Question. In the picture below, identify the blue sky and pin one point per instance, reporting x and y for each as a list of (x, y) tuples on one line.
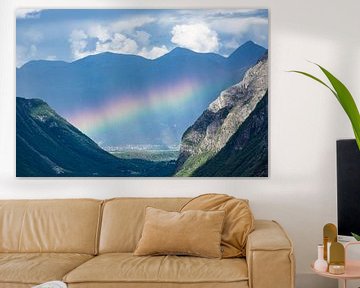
[(71, 34)]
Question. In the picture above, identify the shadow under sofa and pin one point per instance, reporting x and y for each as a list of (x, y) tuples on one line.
[(90, 243)]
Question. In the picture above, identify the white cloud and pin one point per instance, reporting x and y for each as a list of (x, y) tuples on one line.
[(117, 37), (198, 31), (197, 37), (154, 52), (25, 54), (233, 26), (27, 13), (118, 43), (27, 49), (78, 44), (100, 32)]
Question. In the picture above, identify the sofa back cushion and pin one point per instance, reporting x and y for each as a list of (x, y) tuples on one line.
[(66, 226), (123, 220)]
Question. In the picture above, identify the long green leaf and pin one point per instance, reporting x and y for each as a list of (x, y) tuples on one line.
[(357, 237), (357, 137), (316, 79), (347, 102), (344, 97)]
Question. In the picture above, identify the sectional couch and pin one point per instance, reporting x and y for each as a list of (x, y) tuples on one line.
[(89, 243)]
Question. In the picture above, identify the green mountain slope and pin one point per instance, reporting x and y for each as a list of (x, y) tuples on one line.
[(47, 145), (246, 152)]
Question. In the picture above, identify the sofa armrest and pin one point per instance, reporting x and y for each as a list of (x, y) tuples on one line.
[(269, 256)]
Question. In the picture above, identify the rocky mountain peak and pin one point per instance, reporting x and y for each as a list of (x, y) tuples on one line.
[(253, 84), (212, 130)]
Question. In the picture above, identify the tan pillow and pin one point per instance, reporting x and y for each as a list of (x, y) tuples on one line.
[(196, 233), (239, 220)]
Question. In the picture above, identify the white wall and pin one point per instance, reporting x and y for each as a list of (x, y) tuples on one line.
[(305, 120)]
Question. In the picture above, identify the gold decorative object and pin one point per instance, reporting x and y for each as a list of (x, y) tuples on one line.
[(337, 253), (330, 236), (336, 269), (337, 258)]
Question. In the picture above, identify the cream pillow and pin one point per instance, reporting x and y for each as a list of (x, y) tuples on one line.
[(238, 223), (193, 232)]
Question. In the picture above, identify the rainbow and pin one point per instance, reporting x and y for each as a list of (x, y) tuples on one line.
[(123, 108)]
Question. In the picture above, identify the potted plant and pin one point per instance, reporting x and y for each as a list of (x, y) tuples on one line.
[(347, 102)]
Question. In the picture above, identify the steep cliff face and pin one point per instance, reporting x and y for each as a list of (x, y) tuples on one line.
[(246, 152), (212, 130)]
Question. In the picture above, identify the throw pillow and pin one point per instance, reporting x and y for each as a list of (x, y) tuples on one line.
[(196, 233)]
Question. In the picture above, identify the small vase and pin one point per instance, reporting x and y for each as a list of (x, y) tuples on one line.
[(320, 264)]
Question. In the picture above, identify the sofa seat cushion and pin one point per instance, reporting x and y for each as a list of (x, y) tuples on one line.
[(36, 268), (125, 267)]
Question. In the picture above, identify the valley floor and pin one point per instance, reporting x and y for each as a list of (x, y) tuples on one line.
[(149, 155)]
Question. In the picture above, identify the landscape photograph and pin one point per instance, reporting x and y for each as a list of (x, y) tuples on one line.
[(142, 93)]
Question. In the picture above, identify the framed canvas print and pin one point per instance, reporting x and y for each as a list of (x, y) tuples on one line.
[(141, 93)]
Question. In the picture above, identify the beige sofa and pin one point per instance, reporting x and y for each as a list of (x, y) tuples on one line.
[(89, 243)]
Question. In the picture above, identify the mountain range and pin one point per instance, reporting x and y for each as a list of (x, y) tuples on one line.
[(229, 138), (120, 99)]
